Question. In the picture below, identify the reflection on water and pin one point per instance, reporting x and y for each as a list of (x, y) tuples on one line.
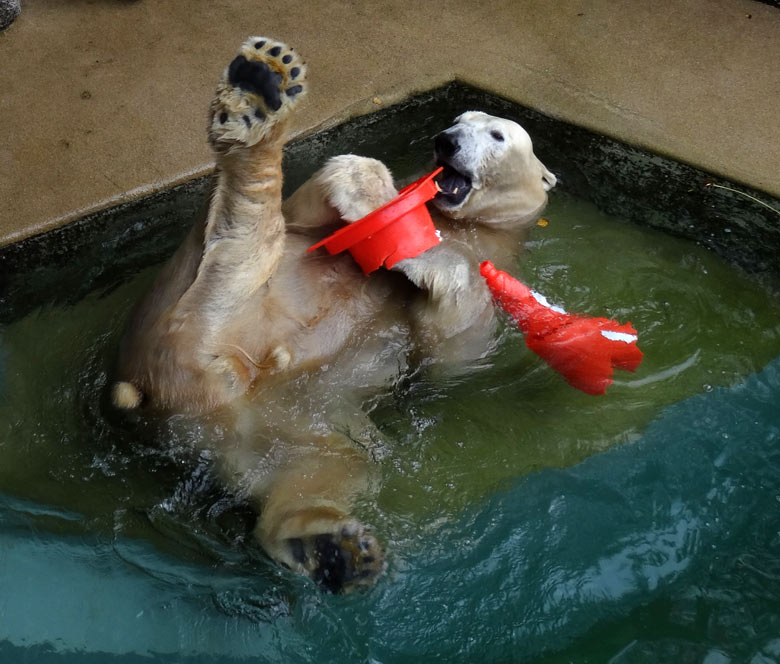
[(523, 517)]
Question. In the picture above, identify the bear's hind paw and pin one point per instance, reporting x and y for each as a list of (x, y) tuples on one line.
[(258, 88), (342, 561)]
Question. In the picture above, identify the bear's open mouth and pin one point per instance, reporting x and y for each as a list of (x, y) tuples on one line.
[(453, 186)]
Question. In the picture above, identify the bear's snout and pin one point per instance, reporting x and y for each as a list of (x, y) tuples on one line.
[(446, 144)]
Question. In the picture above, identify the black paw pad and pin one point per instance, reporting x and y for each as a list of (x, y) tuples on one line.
[(256, 77), (294, 90), (333, 568), (276, 50), (294, 72)]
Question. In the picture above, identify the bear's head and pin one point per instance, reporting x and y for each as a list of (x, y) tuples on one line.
[(491, 174)]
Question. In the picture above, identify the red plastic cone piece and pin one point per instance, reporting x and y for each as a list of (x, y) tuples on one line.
[(402, 228), (586, 351)]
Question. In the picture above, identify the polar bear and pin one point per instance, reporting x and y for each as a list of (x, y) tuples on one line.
[(280, 347)]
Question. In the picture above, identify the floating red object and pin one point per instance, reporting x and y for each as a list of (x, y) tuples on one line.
[(586, 351), (399, 229)]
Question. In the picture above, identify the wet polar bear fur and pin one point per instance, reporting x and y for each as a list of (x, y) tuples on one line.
[(280, 347)]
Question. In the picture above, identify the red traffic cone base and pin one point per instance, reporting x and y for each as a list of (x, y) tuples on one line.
[(402, 228)]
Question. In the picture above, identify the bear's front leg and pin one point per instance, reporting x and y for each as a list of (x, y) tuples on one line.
[(244, 233), (346, 189), (177, 352), (454, 321)]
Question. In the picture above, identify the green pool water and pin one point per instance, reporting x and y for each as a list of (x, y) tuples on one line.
[(525, 521)]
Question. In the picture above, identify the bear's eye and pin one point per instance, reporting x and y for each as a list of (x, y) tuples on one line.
[(497, 136)]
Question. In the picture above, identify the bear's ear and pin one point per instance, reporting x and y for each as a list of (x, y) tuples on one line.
[(469, 115), (548, 178)]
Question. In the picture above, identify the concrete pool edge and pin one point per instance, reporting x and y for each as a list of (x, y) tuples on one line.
[(124, 89)]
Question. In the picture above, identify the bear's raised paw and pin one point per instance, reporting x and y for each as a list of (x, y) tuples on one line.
[(258, 88)]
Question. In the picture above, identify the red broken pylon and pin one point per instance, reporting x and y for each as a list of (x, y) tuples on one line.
[(586, 351)]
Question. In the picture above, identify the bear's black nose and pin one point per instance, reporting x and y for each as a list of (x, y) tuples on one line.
[(445, 145)]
